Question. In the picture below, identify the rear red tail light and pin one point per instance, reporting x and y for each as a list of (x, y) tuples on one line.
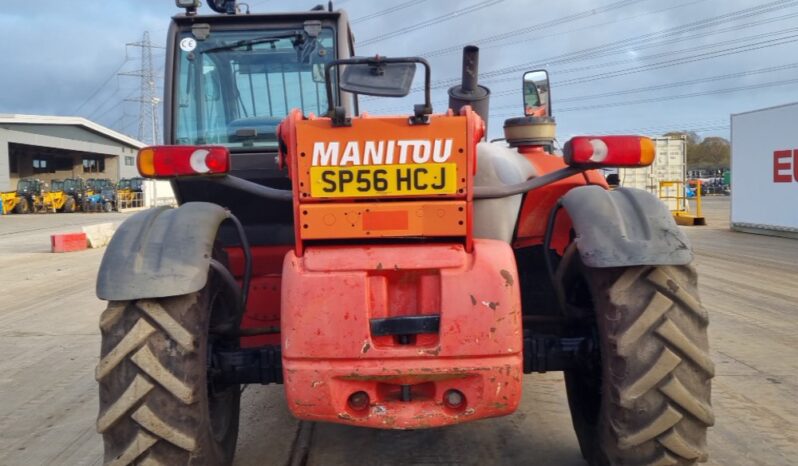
[(172, 161), (609, 151)]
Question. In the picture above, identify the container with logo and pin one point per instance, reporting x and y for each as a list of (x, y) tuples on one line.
[(764, 179)]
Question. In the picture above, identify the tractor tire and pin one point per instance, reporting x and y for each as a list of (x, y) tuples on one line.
[(22, 207), (156, 403), (70, 206), (645, 399), (108, 207)]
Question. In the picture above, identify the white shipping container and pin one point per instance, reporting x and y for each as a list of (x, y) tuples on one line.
[(764, 170), (670, 164), (158, 193)]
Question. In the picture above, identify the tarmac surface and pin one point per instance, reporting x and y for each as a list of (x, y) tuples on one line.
[(49, 343)]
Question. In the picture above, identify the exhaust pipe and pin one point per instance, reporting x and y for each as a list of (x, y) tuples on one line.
[(470, 92)]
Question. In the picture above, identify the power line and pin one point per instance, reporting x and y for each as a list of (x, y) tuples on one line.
[(637, 41), (782, 82), (681, 61), (770, 84), (667, 63), (667, 128), (386, 11), (535, 27), (681, 38), (657, 87), (432, 21), (118, 104), (589, 54), (623, 45), (97, 91), (582, 29), (651, 132), (672, 62)]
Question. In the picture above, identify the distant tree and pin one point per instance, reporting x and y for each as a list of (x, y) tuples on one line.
[(715, 152), (709, 153)]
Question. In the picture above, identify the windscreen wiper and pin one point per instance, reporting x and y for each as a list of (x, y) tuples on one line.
[(257, 40)]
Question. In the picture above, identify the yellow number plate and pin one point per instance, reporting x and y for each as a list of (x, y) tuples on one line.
[(383, 180)]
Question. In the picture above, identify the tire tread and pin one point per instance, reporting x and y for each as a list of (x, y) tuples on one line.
[(666, 361), (152, 327)]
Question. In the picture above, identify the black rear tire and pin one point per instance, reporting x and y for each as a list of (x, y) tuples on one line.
[(22, 207), (69, 205), (645, 399), (156, 402)]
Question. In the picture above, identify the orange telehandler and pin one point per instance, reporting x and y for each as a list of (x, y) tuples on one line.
[(393, 272)]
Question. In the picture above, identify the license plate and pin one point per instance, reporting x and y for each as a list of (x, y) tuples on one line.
[(384, 180)]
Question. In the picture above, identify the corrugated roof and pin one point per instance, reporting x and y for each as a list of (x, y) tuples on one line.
[(6, 118)]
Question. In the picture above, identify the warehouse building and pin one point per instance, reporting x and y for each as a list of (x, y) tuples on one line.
[(56, 147)]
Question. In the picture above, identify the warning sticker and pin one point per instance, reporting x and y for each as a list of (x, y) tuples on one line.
[(188, 44)]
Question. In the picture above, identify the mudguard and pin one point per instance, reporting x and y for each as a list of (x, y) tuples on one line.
[(160, 252), (624, 227)]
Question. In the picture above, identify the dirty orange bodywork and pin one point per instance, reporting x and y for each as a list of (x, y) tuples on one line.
[(538, 204), (381, 177), (332, 293), (263, 303), (365, 193)]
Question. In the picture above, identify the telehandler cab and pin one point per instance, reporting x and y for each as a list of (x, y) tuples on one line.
[(393, 272)]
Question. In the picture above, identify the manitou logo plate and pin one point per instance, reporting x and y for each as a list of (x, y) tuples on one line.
[(382, 157)]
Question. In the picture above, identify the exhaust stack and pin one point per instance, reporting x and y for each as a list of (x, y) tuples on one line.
[(469, 92)]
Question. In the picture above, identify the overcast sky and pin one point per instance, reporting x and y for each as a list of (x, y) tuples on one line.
[(704, 59)]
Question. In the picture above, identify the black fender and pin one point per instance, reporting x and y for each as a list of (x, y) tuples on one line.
[(160, 252), (624, 227)]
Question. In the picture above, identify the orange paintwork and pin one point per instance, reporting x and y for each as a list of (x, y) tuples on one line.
[(537, 205), (390, 219), (263, 305), (309, 143), (330, 294)]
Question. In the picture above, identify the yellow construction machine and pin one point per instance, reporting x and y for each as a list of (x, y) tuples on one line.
[(56, 199)]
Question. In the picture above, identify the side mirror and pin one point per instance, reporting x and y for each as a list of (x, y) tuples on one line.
[(378, 76), (378, 79), (537, 98)]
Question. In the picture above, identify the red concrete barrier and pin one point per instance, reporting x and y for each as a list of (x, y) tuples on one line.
[(68, 242)]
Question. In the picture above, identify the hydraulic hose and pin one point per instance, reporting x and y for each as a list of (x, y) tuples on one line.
[(495, 192), (254, 189)]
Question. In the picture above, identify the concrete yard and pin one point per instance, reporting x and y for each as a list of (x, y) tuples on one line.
[(50, 343)]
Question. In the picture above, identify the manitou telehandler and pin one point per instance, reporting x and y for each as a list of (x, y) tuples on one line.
[(392, 272), (56, 199), (76, 189), (29, 196)]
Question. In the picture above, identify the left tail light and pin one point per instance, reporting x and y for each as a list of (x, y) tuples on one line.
[(173, 161)]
